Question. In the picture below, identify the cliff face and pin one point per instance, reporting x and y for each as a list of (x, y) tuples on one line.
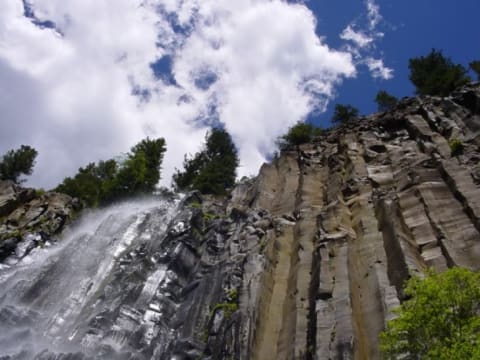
[(306, 261), (364, 207), (29, 219)]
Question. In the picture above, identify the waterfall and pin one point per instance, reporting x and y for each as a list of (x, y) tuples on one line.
[(96, 293)]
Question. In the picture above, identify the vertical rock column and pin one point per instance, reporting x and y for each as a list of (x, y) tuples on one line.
[(371, 292), (333, 311)]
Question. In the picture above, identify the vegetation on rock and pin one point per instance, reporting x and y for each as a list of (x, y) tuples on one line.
[(298, 134), (213, 169), (344, 114), (385, 101), (108, 181), (456, 147), (440, 319), (17, 162), (435, 74)]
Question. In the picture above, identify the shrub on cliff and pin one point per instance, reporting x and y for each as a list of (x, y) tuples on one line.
[(344, 114), (456, 147), (213, 169), (385, 101), (298, 134), (440, 320), (436, 74), (107, 181), (17, 162)]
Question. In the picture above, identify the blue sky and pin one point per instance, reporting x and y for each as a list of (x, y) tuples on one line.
[(411, 29), (83, 81)]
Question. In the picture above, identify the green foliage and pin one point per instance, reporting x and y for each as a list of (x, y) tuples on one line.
[(12, 234), (232, 295), (475, 66), (385, 101), (344, 114), (17, 162), (195, 205), (227, 308), (440, 320), (91, 184), (456, 147), (298, 134), (435, 74), (152, 151), (39, 192), (213, 169), (108, 181)]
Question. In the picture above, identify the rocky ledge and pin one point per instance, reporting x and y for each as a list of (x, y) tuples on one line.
[(29, 218)]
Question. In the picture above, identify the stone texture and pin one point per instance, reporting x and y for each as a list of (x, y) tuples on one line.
[(305, 261), (373, 203), (26, 215)]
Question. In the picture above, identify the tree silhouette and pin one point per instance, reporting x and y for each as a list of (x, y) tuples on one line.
[(344, 113), (436, 74)]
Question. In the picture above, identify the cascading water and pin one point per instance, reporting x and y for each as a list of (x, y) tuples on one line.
[(97, 293)]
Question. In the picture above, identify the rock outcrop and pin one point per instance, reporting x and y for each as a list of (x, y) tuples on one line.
[(29, 218), (355, 214), (306, 261)]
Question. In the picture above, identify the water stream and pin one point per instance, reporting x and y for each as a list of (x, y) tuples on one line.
[(94, 294)]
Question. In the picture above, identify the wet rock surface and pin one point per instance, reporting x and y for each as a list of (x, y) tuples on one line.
[(162, 280), (29, 218)]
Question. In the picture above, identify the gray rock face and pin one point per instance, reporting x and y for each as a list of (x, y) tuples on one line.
[(11, 196), (306, 261), (28, 219), (372, 203)]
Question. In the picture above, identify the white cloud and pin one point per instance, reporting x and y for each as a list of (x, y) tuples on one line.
[(71, 96), (378, 69), (362, 37), (374, 16), (359, 38)]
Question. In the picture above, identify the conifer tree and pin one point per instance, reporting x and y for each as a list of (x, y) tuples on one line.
[(385, 101), (213, 169), (436, 74), (298, 134), (17, 162), (344, 113)]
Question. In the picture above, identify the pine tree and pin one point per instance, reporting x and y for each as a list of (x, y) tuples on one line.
[(213, 169), (344, 113), (298, 134), (385, 101), (435, 74), (17, 162)]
